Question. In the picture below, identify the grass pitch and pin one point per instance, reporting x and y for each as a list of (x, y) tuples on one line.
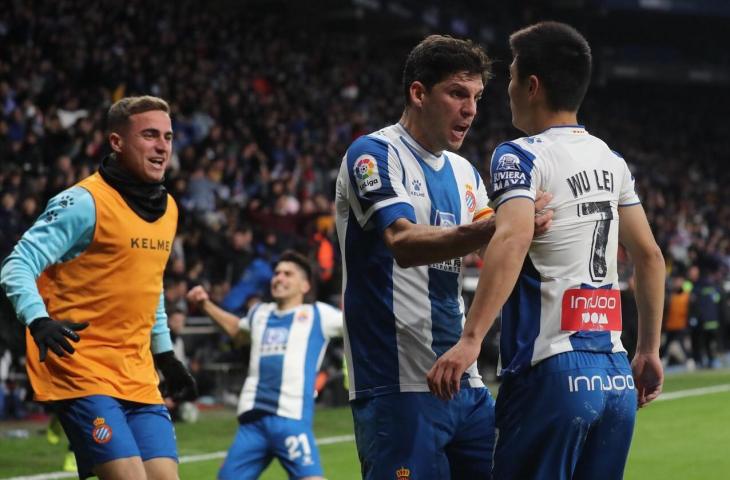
[(676, 438)]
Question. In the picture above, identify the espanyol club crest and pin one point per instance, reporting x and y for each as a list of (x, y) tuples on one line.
[(470, 199), (102, 432)]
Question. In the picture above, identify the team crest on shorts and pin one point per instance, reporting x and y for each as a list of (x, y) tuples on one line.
[(403, 474), (102, 432), (470, 199)]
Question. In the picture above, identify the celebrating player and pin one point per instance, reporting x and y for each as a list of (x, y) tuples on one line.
[(567, 404), (98, 253), (408, 209), (288, 339)]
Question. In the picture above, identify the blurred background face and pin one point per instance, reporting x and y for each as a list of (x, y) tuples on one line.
[(288, 282)]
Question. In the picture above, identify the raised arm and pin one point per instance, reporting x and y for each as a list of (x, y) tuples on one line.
[(230, 323)]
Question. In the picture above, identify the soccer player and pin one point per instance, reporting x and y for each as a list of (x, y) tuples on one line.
[(408, 209), (90, 271), (288, 339), (567, 404)]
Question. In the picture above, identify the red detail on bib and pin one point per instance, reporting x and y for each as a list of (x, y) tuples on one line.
[(594, 310)]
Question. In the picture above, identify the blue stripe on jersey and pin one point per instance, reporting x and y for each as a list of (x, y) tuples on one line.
[(521, 321), (378, 150), (368, 301), (443, 278), (592, 341), (477, 177), (315, 344), (387, 215), (271, 362), (511, 167)]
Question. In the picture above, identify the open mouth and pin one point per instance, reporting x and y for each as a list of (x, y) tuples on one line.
[(159, 162), (460, 130)]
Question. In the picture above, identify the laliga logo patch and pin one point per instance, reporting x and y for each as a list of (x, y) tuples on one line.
[(102, 432), (366, 174), (470, 199), (508, 162)]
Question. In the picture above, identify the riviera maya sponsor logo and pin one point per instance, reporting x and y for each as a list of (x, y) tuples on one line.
[(102, 432), (366, 174), (508, 161)]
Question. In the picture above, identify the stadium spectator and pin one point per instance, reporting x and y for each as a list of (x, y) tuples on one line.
[(550, 339), (407, 210), (276, 407), (97, 243), (676, 318), (705, 317)]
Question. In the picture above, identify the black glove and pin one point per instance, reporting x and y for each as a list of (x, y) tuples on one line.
[(49, 333), (179, 383)]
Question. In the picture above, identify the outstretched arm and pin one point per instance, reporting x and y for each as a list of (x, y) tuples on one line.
[(229, 322), (414, 244)]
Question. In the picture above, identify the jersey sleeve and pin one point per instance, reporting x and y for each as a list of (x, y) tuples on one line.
[(628, 195), (331, 319), (61, 233), (245, 322), (483, 210), (161, 340), (375, 174), (512, 174)]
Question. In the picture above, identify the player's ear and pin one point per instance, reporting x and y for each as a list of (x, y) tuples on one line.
[(533, 86), (417, 92), (306, 287), (116, 142)]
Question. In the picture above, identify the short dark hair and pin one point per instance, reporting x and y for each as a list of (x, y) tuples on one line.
[(438, 56), (300, 260), (559, 56), (121, 110)]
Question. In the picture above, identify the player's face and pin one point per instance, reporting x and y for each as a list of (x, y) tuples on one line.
[(145, 146), (288, 281), (449, 109), (518, 96)]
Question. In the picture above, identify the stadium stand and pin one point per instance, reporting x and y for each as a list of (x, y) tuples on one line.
[(264, 105)]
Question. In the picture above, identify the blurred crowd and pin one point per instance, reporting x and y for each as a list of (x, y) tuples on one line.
[(262, 115)]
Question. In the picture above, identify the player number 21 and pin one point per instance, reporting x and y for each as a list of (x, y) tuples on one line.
[(293, 442)]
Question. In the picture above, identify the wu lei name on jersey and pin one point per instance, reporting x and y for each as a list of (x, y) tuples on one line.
[(580, 183)]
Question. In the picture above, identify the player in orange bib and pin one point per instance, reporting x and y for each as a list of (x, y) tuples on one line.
[(90, 270)]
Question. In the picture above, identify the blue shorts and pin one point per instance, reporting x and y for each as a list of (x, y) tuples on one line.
[(101, 428), (571, 416), (257, 443), (427, 438)]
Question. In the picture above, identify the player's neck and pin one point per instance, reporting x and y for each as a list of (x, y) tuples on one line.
[(285, 304), (545, 119), (413, 126)]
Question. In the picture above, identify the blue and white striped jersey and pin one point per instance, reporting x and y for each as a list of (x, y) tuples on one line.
[(286, 350), (399, 320), (566, 297)]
